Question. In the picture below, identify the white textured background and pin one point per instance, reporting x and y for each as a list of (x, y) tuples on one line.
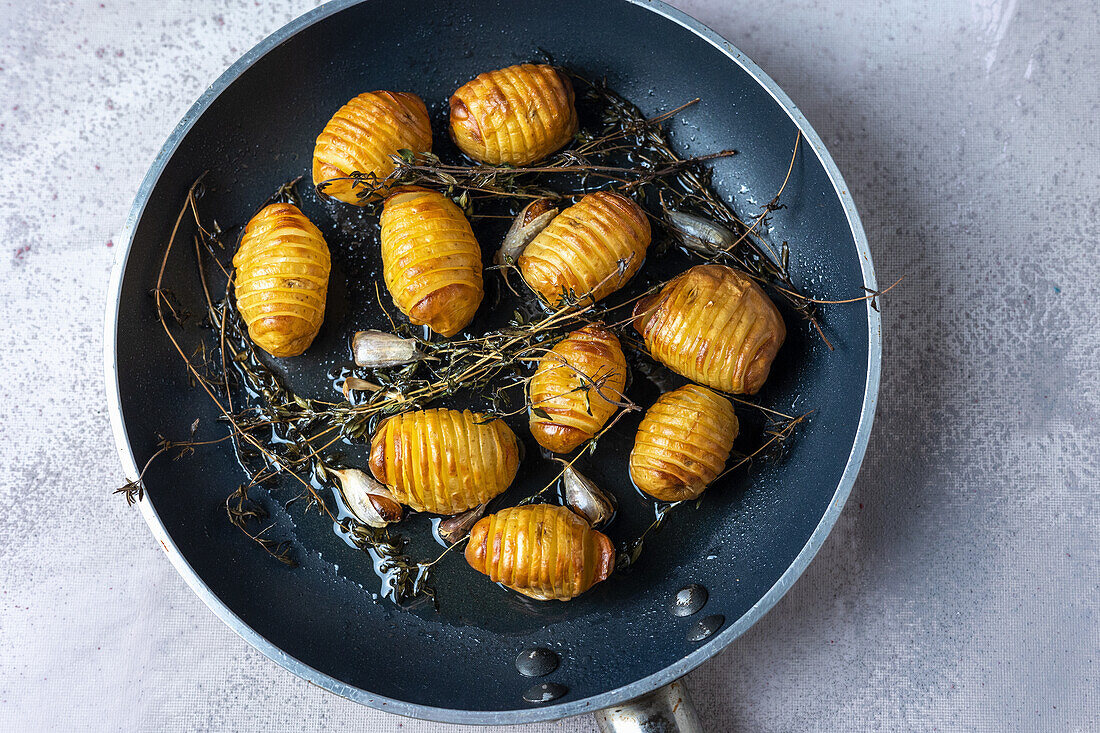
[(959, 590)]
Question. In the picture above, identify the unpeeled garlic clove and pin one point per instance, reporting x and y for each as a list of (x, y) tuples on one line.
[(534, 217), (370, 501), (453, 529), (380, 349), (586, 499), (701, 235)]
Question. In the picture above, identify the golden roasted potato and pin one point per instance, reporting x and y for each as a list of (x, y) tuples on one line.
[(590, 250), (715, 326), (444, 461), (578, 384), (430, 260), (542, 551), (362, 136), (516, 115), (683, 443), (281, 281)]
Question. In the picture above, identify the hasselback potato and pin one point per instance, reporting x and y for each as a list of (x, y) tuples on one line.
[(590, 250), (516, 115), (683, 443), (430, 260), (715, 326), (577, 385), (362, 136), (542, 551), (444, 461), (281, 281)]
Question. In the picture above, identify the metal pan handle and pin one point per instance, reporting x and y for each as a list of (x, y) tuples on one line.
[(665, 710)]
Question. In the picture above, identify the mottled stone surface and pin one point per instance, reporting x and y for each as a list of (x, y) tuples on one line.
[(958, 591)]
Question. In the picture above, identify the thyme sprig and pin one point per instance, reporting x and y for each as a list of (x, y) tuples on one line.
[(277, 432), (779, 429), (134, 491), (232, 366), (457, 366), (690, 189), (428, 170), (243, 511)]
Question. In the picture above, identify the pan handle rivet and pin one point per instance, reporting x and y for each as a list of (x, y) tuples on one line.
[(688, 600), (537, 662), (705, 627), (545, 692)]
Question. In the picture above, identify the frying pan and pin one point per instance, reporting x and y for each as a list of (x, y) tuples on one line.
[(740, 550)]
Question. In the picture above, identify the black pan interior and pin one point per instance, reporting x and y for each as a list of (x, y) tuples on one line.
[(259, 132)]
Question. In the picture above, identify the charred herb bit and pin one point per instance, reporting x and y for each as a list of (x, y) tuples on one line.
[(404, 580), (170, 303), (132, 491), (286, 194)]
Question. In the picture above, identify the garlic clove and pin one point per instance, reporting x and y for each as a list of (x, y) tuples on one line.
[(380, 349), (453, 529), (534, 217), (586, 499), (354, 384), (701, 235), (370, 501)]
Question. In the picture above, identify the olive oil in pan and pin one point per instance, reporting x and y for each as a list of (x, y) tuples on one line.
[(390, 570)]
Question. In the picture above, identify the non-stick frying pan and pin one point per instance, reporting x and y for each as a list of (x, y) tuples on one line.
[(745, 544)]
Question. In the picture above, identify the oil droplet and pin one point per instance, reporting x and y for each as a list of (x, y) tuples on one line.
[(537, 662), (705, 627), (545, 692), (689, 600)]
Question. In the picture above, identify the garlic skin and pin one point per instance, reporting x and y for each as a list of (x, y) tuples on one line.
[(534, 217), (354, 384), (453, 529), (380, 349), (585, 498), (701, 235), (371, 502)]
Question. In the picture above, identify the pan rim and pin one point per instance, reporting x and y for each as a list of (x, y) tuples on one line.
[(520, 715)]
